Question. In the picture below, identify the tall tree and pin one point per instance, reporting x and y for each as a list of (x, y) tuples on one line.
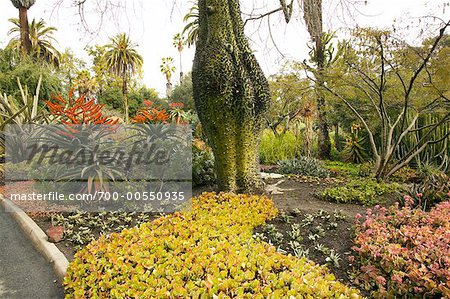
[(312, 14), (23, 6), (167, 69), (178, 43), (231, 95), (123, 60), (390, 87), (41, 41)]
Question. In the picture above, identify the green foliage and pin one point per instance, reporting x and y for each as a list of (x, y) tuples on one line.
[(28, 73), (112, 97), (182, 92), (342, 169), (276, 148), (404, 252), (23, 111), (366, 170), (354, 150), (303, 166), (405, 175), (82, 228), (205, 253), (361, 191), (202, 167), (431, 190), (41, 38)]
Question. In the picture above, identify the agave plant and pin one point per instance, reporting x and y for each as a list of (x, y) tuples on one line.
[(17, 113)]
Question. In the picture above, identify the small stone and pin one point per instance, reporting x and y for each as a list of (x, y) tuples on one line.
[(55, 233)]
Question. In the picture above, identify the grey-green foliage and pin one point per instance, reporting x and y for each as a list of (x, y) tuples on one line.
[(202, 168), (303, 166), (25, 110)]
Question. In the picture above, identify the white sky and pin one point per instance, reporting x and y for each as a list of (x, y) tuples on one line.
[(152, 24)]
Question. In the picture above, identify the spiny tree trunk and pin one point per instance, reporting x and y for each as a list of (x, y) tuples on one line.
[(231, 95), (24, 31)]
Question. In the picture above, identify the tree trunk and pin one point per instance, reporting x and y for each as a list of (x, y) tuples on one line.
[(324, 143), (125, 98), (24, 31), (231, 95)]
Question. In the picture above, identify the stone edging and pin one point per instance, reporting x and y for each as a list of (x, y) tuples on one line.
[(39, 239)]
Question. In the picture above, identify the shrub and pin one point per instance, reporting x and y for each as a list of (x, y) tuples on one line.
[(405, 175), (338, 168), (205, 253), (274, 149), (405, 252), (362, 191), (432, 190), (303, 166), (202, 167)]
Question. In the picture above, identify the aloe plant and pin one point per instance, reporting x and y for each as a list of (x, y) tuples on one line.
[(18, 112), (23, 111)]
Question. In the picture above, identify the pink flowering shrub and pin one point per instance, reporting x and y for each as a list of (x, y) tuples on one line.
[(404, 252)]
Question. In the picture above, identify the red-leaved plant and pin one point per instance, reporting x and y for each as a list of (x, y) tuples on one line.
[(78, 111), (83, 120), (404, 252)]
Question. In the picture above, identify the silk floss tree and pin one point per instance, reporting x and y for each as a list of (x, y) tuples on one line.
[(231, 95), (23, 6), (123, 60)]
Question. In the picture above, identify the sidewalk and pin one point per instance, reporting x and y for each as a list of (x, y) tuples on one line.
[(24, 273)]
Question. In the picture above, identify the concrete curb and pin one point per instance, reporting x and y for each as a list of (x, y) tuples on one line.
[(39, 239)]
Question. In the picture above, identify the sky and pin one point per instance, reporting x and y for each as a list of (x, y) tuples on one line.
[(153, 23)]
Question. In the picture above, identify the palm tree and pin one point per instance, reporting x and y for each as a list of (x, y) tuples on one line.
[(41, 41), (124, 61), (167, 69), (23, 6), (85, 84), (191, 28), (178, 42)]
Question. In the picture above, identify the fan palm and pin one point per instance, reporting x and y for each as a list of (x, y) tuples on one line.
[(23, 6), (41, 40), (124, 61)]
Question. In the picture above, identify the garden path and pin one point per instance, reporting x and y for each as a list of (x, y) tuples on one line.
[(24, 273)]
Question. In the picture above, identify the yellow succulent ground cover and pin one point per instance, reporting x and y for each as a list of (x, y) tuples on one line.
[(208, 252)]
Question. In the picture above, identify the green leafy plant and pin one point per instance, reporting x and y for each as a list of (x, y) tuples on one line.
[(431, 190), (354, 150), (202, 167), (206, 252), (277, 148), (362, 191), (303, 166)]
